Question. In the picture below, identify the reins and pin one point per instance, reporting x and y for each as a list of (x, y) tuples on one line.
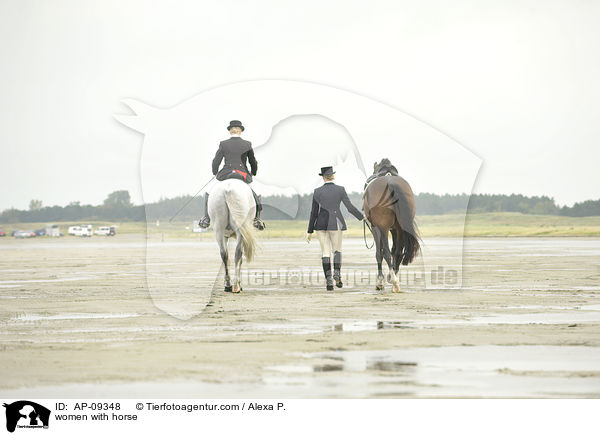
[(365, 225), (190, 200)]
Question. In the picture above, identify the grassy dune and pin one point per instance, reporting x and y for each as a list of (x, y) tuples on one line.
[(476, 225), (509, 224)]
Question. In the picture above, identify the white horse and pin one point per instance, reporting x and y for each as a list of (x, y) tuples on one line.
[(231, 208)]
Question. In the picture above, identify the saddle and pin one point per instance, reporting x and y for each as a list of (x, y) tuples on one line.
[(381, 172), (228, 172)]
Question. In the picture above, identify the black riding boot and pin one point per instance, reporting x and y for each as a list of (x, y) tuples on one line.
[(337, 267), (258, 223), (205, 220), (327, 270)]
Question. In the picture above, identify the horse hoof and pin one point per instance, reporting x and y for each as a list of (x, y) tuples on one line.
[(396, 288), (379, 287), (237, 288), (228, 289)]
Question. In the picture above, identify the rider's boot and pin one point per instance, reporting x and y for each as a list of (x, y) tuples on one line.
[(337, 266), (258, 223), (327, 270), (205, 220)]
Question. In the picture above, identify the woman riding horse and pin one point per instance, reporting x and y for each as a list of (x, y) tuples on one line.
[(236, 151)]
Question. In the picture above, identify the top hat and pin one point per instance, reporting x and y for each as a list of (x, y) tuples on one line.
[(235, 123), (327, 170)]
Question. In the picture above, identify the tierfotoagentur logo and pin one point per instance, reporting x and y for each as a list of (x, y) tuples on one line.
[(294, 127), (25, 414)]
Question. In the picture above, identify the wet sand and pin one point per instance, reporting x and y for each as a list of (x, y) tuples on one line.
[(77, 319)]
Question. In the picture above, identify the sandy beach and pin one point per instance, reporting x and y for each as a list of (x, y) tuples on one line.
[(78, 319)]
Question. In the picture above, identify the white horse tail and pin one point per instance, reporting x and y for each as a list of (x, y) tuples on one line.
[(242, 222)]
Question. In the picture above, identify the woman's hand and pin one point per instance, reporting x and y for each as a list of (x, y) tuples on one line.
[(307, 237)]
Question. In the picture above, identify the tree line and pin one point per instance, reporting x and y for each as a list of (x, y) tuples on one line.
[(118, 206)]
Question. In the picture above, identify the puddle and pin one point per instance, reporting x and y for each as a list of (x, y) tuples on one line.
[(124, 333), (575, 316), (561, 315), (72, 316), (370, 325), (591, 307), (22, 281), (481, 358), (428, 372), (454, 371)]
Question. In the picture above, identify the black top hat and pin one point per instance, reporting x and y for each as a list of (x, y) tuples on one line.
[(327, 170), (235, 123)]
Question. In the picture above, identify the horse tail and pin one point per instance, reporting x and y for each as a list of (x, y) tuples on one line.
[(248, 240), (405, 216), (242, 222)]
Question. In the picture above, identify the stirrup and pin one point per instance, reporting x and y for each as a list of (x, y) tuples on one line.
[(259, 225), (204, 222)]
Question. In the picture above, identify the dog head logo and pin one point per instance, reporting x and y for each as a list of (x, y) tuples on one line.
[(26, 414), (295, 128)]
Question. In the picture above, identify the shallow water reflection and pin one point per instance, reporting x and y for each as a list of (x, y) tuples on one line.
[(452, 371)]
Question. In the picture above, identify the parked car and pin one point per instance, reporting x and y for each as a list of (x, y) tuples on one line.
[(80, 230), (105, 231), (2, 233), (23, 234), (40, 232)]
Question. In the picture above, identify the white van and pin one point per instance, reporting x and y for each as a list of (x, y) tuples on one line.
[(80, 230)]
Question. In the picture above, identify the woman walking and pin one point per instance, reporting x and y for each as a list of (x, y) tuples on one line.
[(327, 220)]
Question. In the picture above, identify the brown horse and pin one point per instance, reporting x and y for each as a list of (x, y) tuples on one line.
[(389, 206)]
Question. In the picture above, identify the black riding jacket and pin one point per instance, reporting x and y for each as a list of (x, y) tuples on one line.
[(326, 213), (236, 151)]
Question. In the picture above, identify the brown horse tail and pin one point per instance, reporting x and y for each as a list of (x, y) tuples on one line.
[(405, 215)]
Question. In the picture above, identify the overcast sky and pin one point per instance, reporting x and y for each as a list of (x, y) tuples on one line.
[(516, 82)]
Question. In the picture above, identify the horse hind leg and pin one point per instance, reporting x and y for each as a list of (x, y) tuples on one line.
[(396, 258), (377, 233), (392, 276), (237, 279), (396, 283), (225, 260), (385, 249)]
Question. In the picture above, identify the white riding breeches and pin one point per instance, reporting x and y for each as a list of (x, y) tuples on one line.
[(331, 241)]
